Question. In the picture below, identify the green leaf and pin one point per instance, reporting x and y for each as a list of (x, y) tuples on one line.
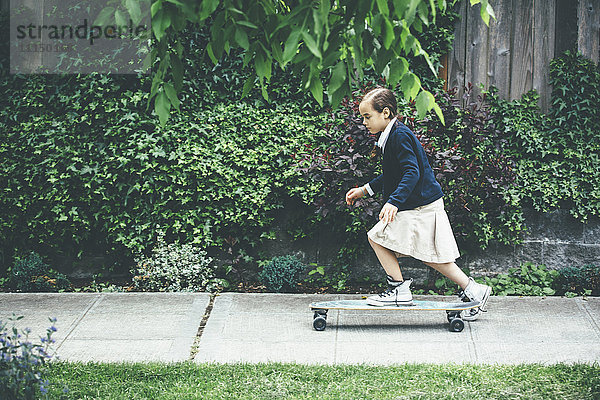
[(241, 37), (316, 88), (410, 85), (400, 8), (338, 77), (398, 67), (383, 7), (209, 50), (207, 8), (424, 103), (276, 52), (133, 7), (104, 16), (291, 47), (412, 9), (120, 18), (423, 13), (162, 106), (324, 8), (433, 9), (311, 44), (388, 34), (172, 95), (247, 23), (439, 113), (263, 90), (248, 85), (262, 65), (336, 97), (156, 6), (160, 23)]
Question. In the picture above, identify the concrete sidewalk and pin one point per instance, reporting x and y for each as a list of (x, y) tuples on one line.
[(278, 327)]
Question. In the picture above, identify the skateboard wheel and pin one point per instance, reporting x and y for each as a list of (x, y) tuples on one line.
[(452, 315), (457, 325), (319, 323)]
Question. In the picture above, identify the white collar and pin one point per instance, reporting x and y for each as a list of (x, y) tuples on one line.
[(384, 135)]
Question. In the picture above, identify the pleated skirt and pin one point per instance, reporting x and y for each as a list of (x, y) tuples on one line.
[(423, 233)]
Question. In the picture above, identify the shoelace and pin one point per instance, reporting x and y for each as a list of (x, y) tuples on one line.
[(462, 296), (465, 298), (387, 292)]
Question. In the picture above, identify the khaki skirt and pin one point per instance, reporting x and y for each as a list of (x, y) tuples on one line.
[(423, 233)]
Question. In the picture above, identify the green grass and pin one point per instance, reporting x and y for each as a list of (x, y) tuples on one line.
[(290, 381)]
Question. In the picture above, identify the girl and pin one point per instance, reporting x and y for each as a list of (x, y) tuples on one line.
[(412, 223)]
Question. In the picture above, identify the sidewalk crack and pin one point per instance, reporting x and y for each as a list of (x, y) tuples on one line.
[(590, 317), (75, 324), (196, 344), (473, 344)]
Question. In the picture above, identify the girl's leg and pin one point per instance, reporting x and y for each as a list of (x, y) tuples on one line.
[(452, 272), (388, 261)]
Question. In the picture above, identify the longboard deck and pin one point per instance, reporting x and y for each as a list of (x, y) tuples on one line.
[(418, 305)]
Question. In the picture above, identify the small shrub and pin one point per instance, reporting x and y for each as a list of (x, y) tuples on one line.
[(23, 363), (282, 274), (332, 277), (580, 280), (173, 268), (528, 280), (31, 274)]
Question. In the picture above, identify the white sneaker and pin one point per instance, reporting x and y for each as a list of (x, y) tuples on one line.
[(397, 294), (471, 314), (478, 292), (475, 292)]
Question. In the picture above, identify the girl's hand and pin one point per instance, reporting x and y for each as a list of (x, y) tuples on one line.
[(353, 194), (388, 212)]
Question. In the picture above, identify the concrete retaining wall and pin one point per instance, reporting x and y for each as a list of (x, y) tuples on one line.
[(555, 239)]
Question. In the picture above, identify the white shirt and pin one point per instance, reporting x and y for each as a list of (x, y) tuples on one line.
[(381, 143)]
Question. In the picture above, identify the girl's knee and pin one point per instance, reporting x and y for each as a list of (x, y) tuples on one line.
[(437, 265), (375, 245), (372, 243)]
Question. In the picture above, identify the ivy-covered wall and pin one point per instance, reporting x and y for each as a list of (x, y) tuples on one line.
[(89, 178)]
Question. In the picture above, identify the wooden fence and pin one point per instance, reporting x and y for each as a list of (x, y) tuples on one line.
[(514, 52)]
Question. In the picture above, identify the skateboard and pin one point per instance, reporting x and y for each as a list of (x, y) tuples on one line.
[(453, 310)]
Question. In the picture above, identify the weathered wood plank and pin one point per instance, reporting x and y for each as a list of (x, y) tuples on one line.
[(477, 51), (456, 58), (443, 71), (500, 47), (521, 79), (544, 14), (565, 26), (588, 38)]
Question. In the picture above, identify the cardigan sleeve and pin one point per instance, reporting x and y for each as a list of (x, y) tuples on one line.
[(376, 185), (409, 170)]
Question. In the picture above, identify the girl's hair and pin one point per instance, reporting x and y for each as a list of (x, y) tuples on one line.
[(380, 98)]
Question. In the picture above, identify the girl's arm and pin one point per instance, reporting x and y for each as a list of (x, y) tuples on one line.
[(377, 184), (409, 165)]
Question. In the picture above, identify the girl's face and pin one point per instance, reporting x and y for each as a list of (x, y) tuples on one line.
[(374, 121)]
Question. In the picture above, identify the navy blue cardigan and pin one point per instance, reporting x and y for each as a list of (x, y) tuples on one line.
[(407, 180)]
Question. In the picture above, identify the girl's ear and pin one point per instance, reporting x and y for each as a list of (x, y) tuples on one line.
[(386, 115)]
